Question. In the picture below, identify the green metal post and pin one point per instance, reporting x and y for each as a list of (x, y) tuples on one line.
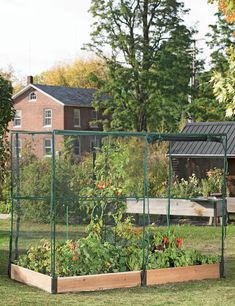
[(169, 189), (18, 195), (67, 222), (53, 211), (144, 261), (223, 207), (12, 208)]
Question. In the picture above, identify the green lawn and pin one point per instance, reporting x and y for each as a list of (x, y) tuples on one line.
[(219, 292)]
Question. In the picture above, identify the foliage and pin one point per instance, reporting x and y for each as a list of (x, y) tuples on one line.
[(91, 255), (197, 293), (220, 40), (112, 243), (5, 199), (80, 73), (205, 107), (213, 183), (149, 67), (186, 188), (227, 7), (224, 85), (193, 187), (96, 189), (6, 115), (10, 75)]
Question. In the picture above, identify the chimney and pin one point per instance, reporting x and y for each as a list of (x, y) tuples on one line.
[(29, 79)]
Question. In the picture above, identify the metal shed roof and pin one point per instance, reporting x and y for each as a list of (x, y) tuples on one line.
[(206, 149)]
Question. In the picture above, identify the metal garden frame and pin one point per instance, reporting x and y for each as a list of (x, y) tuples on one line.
[(148, 139)]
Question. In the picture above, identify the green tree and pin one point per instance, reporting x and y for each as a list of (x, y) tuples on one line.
[(148, 64), (224, 81), (220, 40), (6, 115), (205, 107)]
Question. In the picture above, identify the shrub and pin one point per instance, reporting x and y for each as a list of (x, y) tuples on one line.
[(186, 188)]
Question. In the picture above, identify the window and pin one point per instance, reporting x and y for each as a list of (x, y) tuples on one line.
[(17, 145), (76, 117), (47, 146), (17, 118), (32, 96), (47, 117), (77, 146), (94, 118)]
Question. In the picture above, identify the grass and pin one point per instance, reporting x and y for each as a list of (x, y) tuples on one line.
[(216, 292)]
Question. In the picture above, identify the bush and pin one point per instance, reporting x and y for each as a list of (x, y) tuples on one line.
[(193, 187), (186, 188)]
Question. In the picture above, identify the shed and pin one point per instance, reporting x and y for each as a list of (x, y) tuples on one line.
[(199, 157)]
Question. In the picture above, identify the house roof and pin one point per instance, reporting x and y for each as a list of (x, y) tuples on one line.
[(69, 95), (206, 149), (66, 95)]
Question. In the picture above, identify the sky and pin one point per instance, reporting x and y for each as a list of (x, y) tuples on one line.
[(35, 35)]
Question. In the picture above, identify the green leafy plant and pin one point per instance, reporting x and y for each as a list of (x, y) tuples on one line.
[(186, 188), (92, 255), (5, 198)]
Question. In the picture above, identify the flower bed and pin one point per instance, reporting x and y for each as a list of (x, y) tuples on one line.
[(92, 263), (113, 280)]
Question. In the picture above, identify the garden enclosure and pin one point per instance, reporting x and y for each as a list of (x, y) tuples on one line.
[(70, 229)]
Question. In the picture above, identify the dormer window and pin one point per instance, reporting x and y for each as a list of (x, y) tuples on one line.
[(32, 97)]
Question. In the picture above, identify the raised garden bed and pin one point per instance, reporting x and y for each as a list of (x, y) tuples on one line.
[(113, 280)]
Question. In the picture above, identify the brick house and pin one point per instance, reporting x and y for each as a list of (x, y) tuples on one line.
[(45, 108)]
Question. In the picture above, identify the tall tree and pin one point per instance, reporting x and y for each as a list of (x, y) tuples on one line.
[(6, 114), (205, 107), (227, 7), (220, 40), (224, 81), (80, 73), (144, 44)]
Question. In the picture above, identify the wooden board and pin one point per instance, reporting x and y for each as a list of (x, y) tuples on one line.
[(98, 282), (31, 278), (183, 274), (231, 204), (179, 207)]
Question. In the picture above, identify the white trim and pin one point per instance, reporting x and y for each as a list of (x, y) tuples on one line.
[(38, 89), (79, 111), (17, 126), (21, 91), (44, 147), (46, 94), (44, 117), (29, 97)]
